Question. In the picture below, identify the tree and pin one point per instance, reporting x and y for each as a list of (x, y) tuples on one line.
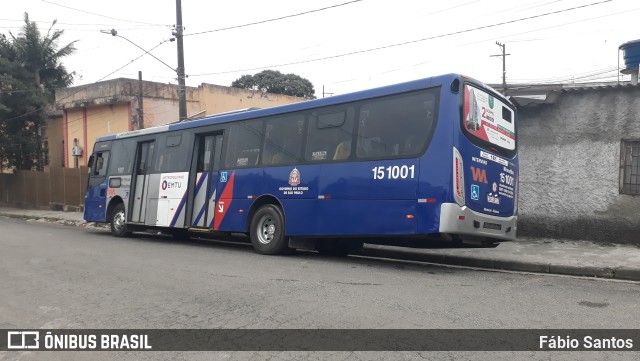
[(30, 70), (273, 81)]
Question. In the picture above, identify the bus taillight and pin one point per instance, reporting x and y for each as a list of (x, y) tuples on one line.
[(458, 177), (515, 205)]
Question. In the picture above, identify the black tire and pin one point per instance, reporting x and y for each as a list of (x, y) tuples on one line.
[(119, 222), (267, 231), (338, 247)]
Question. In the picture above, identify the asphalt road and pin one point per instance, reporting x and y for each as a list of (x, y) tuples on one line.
[(54, 276)]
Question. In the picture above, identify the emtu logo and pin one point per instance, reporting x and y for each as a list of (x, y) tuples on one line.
[(164, 185), (479, 175)]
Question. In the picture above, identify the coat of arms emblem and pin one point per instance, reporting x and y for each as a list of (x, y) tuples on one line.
[(294, 177)]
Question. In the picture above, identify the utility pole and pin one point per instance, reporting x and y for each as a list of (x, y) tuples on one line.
[(323, 92), (182, 105), (140, 113), (504, 66)]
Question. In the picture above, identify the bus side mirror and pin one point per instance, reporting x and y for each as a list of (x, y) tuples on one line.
[(90, 163)]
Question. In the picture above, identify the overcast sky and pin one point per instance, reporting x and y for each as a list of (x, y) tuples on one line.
[(430, 38)]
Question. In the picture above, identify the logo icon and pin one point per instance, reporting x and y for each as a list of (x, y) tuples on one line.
[(23, 340), (294, 177), (494, 186), (223, 177), (475, 192), (479, 175), (491, 101), (491, 198)]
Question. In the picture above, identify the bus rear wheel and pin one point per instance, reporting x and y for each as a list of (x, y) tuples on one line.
[(119, 222), (267, 231)]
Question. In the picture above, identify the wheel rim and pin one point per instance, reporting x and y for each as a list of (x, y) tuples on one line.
[(118, 221), (266, 229)]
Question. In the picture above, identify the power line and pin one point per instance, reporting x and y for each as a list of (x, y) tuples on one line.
[(75, 29), (584, 77), (81, 88), (451, 8), (572, 76), (100, 15), (72, 24), (274, 19), (505, 36), (409, 42)]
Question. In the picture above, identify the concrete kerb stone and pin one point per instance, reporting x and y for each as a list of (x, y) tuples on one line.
[(470, 261), (522, 266), (588, 271), (624, 273), (66, 222), (402, 254), (16, 216), (507, 265)]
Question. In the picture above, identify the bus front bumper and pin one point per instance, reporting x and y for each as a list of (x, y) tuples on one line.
[(463, 221)]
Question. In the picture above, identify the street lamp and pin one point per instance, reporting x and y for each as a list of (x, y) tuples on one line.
[(182, 101)]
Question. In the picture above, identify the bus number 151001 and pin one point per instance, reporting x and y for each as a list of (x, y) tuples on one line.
[(394, 172)]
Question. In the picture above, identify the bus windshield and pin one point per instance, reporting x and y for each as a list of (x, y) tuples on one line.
[(488, 122)]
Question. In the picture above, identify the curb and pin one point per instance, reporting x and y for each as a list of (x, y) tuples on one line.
[(624, 273), (502, 264), (66, 222), (423, 255)]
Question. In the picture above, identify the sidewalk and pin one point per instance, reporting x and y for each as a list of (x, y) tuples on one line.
[(568, 257)]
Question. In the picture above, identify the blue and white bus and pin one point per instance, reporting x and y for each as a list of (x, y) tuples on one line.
[(429, 159)]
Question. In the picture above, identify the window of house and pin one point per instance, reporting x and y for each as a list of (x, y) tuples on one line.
[(630, 167)]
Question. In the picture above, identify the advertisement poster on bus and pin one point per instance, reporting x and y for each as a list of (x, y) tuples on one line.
[(488, 118)]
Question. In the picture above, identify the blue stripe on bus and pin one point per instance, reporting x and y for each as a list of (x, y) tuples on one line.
[(180, 206), (212, 194), (204, 205), (201, 181), (203, 176)]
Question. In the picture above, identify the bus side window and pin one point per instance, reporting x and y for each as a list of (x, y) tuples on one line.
[(395, 126), (172, 154), (100, 163), (283, 140), (245, 140), (123, 154), (329, 135)]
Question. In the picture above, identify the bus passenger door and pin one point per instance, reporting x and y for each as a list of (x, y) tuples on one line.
[(207, 175), (141, 185)]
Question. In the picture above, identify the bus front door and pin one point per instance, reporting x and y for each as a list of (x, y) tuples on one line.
[(207, 175), (142, 179)]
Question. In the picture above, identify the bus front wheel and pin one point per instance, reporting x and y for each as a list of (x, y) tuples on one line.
[(119, 222), (267, 231)]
